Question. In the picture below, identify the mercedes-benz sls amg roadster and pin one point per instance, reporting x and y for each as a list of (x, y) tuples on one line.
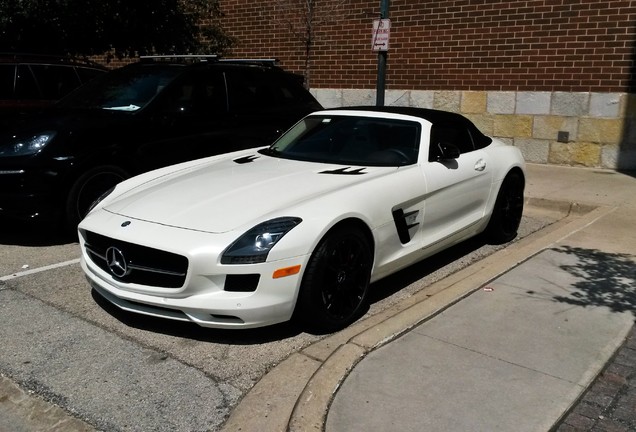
[(302, 227)]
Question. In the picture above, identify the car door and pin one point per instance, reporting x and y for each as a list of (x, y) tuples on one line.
[(458, 186)]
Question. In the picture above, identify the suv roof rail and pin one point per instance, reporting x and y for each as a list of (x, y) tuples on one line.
[(259, 61), (199, 57), (210, 57)]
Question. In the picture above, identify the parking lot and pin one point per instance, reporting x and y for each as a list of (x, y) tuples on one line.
[(118, 371)]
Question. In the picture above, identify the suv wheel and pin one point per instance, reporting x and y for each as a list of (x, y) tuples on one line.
[(88, 188)]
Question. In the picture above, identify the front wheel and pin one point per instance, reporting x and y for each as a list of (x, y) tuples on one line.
[(87, 189), (506, 215), (335, 285)]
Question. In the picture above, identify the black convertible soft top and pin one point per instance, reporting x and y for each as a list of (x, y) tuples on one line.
[(432, 115)]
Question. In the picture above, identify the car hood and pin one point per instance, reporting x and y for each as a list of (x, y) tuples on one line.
[(229, 193), (63, 118)]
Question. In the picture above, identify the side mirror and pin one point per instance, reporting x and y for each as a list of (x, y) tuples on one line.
[(447, 151)]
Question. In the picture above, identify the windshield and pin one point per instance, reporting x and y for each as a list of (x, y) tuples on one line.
[(125, 89), (350, 140)]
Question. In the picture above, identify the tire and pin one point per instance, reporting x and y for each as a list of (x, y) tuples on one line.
[(334, 289), (87, 189), (506, 215)]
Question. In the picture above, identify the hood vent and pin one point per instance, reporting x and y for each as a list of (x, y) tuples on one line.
[(246, 159), (345, 171)]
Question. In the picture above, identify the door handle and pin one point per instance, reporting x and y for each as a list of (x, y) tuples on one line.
[(480, 165)]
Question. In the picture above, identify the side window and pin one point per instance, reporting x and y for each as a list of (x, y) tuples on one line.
[(7, 81), (252, 91), (200, 94), (55, 81), (258, 91), (446, 133), (25, 85), (287, 89), (211, 96)]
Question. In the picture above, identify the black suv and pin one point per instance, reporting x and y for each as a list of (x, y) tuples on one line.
[(31, 81), (153, 113)]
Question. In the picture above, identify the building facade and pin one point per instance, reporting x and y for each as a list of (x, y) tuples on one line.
[(552, 77)]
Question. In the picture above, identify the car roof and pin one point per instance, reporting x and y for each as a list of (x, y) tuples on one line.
[(433, 116)]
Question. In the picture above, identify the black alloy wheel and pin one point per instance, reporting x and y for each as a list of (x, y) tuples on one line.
[(336, 282), (506, 215)]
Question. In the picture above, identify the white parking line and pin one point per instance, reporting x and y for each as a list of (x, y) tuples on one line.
[(39, 269)]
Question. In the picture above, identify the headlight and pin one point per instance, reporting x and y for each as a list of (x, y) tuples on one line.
[(23, 146), (253, 246)]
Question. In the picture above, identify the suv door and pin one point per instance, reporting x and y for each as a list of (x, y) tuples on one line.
[(7, 84), (54, 81), (189, 120)]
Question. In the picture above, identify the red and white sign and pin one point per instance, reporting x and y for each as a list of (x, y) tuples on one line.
[(381, 31)]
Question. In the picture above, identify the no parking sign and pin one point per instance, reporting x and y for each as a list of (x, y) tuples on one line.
[(380, 37)]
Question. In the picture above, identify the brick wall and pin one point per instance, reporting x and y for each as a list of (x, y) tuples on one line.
[(529, 72), (529, 45)]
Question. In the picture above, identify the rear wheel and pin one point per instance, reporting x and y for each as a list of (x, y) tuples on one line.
[(506, 215), (335, 285), (88, 188)]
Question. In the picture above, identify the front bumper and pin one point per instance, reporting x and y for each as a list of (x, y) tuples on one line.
[(203, 298)]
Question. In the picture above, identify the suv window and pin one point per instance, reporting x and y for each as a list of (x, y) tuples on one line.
[(197, 93), (55, 81), (125, 89), (7, 79), (251, 91), (25, 85), (29, 82)]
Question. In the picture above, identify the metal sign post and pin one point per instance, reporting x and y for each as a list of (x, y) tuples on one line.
[(380, 43)]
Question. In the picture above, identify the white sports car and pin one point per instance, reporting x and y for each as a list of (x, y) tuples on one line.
[(300, 228)]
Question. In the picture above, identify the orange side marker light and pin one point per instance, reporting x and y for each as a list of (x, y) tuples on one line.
[(287, 271)]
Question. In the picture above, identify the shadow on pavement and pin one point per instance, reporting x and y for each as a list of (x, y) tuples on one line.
[(20, 233), (459, 255), (606, 279), (192, 331)]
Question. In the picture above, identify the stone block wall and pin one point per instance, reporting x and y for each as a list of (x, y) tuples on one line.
[(581, 128)]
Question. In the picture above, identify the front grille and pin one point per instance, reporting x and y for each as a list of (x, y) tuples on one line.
[(136, 264)]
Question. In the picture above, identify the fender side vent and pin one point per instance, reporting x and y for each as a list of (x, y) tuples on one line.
[(400, 218)]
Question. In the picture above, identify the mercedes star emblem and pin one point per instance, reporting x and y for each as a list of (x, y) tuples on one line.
[(116, 262)]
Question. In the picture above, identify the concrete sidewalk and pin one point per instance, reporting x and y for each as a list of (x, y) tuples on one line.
[(509, 343)]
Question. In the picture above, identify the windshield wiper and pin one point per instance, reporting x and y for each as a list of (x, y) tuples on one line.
[(130, 107)]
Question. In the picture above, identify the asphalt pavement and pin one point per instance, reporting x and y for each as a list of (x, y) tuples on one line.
[(536, 336)]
